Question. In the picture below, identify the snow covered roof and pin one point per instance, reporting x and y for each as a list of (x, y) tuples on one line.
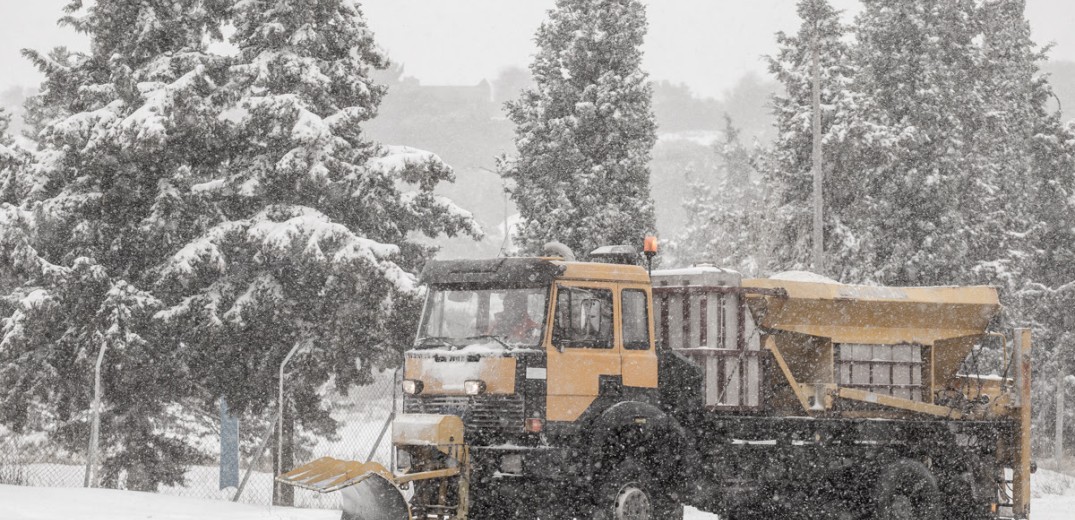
[(697, 275), (802, 276), (516, 271)]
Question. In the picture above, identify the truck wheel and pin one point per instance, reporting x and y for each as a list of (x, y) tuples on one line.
[(906, 490), (969, 490), (631, 494)]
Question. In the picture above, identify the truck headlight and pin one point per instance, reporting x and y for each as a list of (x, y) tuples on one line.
[(403, 460), (474, 387), (533, 425), (412, 386)]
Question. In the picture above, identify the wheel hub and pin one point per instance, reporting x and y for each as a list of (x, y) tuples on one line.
[(633, 504), (902, 508)]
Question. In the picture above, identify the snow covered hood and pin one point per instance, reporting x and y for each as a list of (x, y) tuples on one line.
[(443, 371)]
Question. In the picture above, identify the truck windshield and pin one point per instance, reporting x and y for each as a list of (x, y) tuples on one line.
[(455, 317)]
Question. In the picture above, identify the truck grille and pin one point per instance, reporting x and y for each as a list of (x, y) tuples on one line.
[(487, 413)]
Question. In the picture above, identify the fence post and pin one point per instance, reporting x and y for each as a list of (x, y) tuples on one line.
[(229, 447), (286, 460), (90, 479), (278, 487), (1021, 472), (1058, 445), (254, 461)]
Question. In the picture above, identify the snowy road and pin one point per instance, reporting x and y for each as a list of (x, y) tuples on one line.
[(37, 503), (1044, 508)]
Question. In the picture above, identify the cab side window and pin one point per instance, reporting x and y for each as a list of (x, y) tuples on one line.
[(583, 318), (635, 319)]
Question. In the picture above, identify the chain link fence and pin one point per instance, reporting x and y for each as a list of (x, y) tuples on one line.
[(32, 459), (363, 435)]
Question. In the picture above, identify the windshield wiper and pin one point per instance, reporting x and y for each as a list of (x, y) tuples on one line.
[(492, 337)]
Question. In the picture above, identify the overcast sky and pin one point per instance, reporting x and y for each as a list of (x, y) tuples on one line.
[(707, 44)]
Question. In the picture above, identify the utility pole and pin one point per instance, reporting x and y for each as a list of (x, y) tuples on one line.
[(819, 231)]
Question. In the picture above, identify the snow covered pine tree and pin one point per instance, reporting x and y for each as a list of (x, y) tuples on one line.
[(728, 220), (787, 168), (944, 162), (585, 131), (919, 114), (1023, 238), (197, 215), (312, 243), (10, 160), (917, 60), (123, 120)]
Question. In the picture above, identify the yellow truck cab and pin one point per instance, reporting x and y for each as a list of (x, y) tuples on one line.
[(519, 343), (533, 353)]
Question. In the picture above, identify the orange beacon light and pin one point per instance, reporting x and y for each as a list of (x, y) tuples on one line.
[(650, 245), (649, 248)]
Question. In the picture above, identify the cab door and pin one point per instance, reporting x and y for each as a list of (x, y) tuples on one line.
[(583, 347), (635, 322)]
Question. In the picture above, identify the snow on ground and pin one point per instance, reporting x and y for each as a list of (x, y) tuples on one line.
[(362, 416), (1046, 482), (1046, 508), (37, 503), (1053, 499), (1052, 496)]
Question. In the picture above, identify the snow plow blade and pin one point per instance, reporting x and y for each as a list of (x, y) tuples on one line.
[(368, 489)]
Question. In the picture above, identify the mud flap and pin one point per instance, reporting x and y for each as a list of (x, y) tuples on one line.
[(369, 490)]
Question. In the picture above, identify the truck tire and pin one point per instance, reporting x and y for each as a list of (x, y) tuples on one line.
[(631, 493), (968, 489), (907, 490)]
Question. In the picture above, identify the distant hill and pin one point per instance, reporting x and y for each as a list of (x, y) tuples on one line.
[(680, 112), (689, 127), (466, 125)]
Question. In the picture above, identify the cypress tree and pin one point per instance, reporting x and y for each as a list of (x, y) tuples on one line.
[(584, 132), (918, 62), (787, 167)]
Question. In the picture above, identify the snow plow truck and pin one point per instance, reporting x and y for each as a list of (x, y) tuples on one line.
[(550, 388)]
